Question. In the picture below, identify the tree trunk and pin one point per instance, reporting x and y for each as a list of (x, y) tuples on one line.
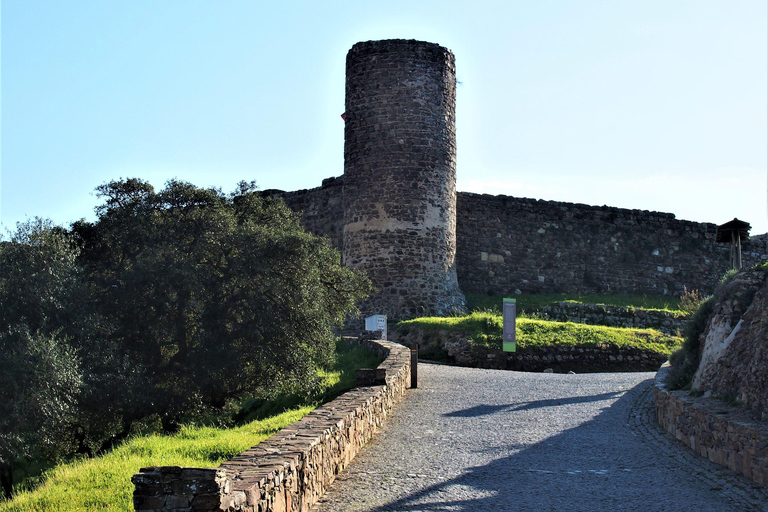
[(170, 424), (6, 479)]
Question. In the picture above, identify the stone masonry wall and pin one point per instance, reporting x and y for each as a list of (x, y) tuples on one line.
[(557, 359), (508, 243), (322, 208), (615, 316), (720, 432), (292, 469), (400, 176)]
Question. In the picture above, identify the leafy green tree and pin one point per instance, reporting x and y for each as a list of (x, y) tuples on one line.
[(39, 383), (210, 296), (38, 276), (40, 375)]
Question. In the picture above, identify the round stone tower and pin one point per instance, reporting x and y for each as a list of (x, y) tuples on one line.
[(400, 176)]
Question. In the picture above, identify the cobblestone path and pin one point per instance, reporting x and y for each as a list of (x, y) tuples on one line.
[(477, 440)]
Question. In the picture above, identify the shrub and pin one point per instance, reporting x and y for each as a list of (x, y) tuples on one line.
[(40, 375), (685, 361), (729, 275), (690, 300)]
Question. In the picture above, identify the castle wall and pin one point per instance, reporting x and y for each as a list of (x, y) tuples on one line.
[(508, 243), (322, 208)]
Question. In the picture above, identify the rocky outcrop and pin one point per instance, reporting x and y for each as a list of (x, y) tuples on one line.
[(734, 345)]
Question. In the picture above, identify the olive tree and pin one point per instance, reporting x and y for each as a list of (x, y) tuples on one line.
[(210, 296), (40, 375)]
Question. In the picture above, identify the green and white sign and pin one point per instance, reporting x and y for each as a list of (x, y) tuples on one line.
[(509, 312)]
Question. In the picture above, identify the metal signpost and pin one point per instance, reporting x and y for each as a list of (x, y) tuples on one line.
[(509, 312), (377, 323)]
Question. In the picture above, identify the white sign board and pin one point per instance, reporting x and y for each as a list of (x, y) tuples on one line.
[(377, 323)]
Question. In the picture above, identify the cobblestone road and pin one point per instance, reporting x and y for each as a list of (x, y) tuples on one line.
[(476, 440)]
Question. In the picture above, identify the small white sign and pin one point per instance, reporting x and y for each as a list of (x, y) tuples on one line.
[(377, 323)]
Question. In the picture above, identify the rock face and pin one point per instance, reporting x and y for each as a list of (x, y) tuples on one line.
[(734, 345), (400, 176)]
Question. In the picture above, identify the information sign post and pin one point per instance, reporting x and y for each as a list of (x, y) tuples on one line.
[(377, 323), (509, 312)]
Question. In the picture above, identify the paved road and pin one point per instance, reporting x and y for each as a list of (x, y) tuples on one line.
[(477, 440)]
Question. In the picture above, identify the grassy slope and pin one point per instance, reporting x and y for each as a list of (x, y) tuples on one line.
[(104, 483), (485, 328), (532, 302)]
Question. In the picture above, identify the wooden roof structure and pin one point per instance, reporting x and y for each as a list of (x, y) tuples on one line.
[(737, 227), (733, 232)]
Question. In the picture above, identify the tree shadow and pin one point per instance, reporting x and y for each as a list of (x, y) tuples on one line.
[(485, 410)]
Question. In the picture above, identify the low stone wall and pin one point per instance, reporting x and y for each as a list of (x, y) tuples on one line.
[(292, 469), (615, 316), (722, 433), (558, 359)]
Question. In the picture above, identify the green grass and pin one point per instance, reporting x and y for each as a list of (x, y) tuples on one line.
[(531, 302), (335, 381), (104, 483), (484, 328)]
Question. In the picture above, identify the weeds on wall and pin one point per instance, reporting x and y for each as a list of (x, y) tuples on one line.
[(531, 302), (690, 300)]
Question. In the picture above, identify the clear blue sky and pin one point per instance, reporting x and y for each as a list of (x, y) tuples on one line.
[(649, 104)]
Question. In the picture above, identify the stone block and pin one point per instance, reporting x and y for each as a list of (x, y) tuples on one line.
[(148, 502), (206, 502), (371, 377), (174, 501)]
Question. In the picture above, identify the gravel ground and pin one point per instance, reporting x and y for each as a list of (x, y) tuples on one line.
[(475, 440)]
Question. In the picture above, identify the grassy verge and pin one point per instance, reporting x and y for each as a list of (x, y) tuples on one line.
[(532, 302), (484, 328), (104, 483)]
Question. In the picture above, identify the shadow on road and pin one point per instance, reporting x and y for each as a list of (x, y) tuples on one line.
[(600, 465), (484, 410)]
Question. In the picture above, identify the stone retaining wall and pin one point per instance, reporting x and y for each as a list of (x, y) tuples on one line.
[(292, 469), (722, 433), (558, 359), (615, 316)]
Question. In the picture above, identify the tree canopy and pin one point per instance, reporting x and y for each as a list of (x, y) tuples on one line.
[(210, 295), (40, 374), (171, 301)]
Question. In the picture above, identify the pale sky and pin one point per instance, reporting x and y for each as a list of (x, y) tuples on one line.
[(649, 104)]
